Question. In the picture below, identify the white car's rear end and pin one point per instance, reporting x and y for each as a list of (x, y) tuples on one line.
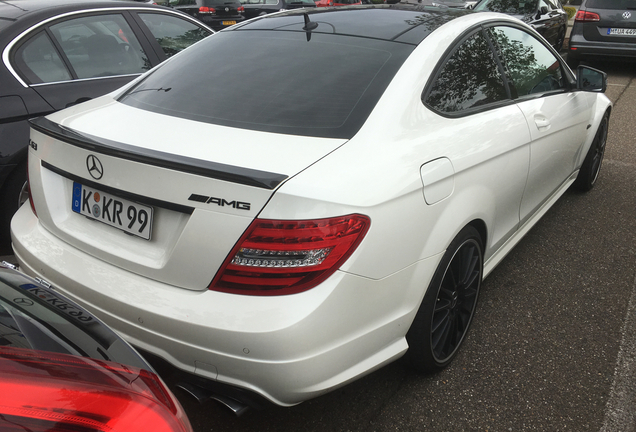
[(159, 289)]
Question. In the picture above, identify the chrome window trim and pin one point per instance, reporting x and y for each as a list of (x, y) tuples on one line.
[(83, 79), (10, 45)]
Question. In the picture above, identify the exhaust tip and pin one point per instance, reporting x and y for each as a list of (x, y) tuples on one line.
[(202, 395)]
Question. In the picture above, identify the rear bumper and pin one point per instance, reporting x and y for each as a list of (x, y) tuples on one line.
[(286, 349), (580, 48)]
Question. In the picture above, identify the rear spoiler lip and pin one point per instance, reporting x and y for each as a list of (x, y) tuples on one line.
[(219, 171)]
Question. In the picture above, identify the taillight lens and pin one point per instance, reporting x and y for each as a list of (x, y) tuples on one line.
[(42, 391), (205, 9), (241, 9), (279, 257), (585, 16)]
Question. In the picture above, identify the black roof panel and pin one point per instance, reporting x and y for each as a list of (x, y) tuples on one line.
[(399, 22)]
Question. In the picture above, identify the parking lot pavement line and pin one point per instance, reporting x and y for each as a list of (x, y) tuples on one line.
[(620, 414)]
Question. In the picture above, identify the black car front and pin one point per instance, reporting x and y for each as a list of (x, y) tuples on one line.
[(61, 368)]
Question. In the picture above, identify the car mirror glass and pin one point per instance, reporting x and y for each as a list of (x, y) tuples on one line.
[(590, 79)]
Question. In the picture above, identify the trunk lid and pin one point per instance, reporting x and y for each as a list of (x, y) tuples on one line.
[(201, 185)]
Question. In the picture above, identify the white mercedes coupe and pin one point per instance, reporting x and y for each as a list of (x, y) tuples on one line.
[(305, 197)]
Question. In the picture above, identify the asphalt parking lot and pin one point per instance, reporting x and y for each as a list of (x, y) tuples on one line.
[(553, 344)]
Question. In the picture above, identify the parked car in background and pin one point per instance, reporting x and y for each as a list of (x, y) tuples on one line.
[(254, 8), (218, 14), (285, 239), (328, 3), (546, 16), (62, 369), (58, 53), (459, 4), (603, 29)]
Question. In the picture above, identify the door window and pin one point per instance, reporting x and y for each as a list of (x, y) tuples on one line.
[(469, 78), (101, 46), (173, 34), (531, 66)]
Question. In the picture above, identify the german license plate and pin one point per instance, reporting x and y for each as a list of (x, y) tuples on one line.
[(126, 215), (229, 22), (58, 302), (621, 31)]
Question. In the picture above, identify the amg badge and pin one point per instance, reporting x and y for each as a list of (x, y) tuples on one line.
[(221, 202)]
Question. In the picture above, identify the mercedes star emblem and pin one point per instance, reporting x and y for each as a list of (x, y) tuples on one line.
[(95, 168), (627, 15), (227, 9), (23, 301)]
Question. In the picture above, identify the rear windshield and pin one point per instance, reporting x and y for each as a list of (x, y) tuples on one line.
[(611, 4), (511, 7), (274, 81)]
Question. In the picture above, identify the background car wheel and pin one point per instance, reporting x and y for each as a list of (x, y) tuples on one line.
[(9, 199), (443, 319), (594, 159)]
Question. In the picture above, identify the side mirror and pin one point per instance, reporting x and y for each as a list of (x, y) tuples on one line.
[(590, 79), (542, 11)]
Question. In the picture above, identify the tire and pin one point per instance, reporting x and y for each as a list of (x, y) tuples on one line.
[(444, 317), (9, 199), (591, 167)]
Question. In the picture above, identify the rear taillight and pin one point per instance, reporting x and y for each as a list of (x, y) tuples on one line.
[(205, 9), (279, 257), (241, 9), (42, 391), (584, 16)]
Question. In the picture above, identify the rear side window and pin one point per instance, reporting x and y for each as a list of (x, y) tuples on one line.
[(531, 65), (276, 81), (173, 34), (469, 78), (100, 46), (38, 61), (611, 4)]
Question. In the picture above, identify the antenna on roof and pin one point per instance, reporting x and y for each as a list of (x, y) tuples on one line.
[(309, 25)]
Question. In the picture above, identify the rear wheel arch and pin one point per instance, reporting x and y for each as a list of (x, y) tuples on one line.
[(482, 229), (447, 309)]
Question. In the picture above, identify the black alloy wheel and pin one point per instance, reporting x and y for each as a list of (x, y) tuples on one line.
[(591, 167), (445, 315)]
